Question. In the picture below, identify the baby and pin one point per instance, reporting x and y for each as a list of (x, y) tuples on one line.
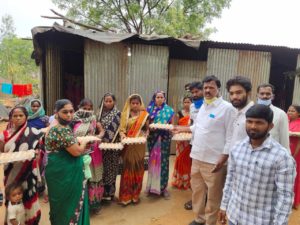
[(15, 209)]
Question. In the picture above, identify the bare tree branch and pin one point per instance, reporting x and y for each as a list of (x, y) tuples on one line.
[(60, 16)]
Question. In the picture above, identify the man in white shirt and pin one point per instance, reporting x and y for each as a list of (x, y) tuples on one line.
[(212, 132), (280, 132), (239, 89)]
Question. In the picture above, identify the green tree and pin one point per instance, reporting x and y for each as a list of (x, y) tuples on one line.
[(172, 17), (16, 64), (7, 28)]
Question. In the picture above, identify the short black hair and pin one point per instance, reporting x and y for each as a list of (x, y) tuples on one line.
[(266, 85), (198, 85), (212, 78), (239, 80), (260, 111), (11, 187)]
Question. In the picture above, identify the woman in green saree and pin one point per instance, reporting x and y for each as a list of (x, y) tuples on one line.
[(64, 171)]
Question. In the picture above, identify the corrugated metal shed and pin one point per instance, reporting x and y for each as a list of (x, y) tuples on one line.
[(105, 70), (53, 76), (108, 68), (296, 94), (226, 63), (182, 72), (148, 70)]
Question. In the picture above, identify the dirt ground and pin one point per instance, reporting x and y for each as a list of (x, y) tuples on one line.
[(150, 211)]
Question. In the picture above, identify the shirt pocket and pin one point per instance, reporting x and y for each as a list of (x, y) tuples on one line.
[(214, 124)]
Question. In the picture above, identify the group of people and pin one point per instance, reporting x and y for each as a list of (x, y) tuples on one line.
[(257, 184), (78, 175)]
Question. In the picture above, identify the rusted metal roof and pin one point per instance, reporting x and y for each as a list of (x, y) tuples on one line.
[(109, 37)]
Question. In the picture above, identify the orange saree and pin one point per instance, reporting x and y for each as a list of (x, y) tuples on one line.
[(133, 162), (182, 167)]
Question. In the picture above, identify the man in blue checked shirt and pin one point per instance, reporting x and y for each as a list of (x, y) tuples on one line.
[(261, 174)]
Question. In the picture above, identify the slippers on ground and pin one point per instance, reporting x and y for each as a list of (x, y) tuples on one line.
[(188, 205)]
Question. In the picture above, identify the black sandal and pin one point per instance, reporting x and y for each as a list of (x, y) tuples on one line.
[(188, 205)]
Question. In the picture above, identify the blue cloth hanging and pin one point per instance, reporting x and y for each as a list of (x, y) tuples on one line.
[(6, 88)]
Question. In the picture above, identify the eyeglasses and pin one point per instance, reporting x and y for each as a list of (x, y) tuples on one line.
[(68, 111)]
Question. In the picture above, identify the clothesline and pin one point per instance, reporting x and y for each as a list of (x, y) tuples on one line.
[(19, 90)]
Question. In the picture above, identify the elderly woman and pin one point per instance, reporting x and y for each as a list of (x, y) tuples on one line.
[(20, 137), (64, 172)]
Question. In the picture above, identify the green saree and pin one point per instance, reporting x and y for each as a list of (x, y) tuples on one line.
[(65, 179)]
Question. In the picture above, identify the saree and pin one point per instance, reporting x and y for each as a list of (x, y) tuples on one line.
[(25, 173), (84, 123), (183, 163), (294, 126), (64, 174), (132, 156), (159, 142), (110, 121)]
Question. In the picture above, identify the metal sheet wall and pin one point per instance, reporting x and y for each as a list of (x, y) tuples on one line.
[(53, 76), (147, 70), (226, 63), (105, 70), (182, 72), (296, 94)]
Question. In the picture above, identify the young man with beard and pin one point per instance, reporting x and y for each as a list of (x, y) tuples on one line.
[(239, 89), (260, 178), (196, 89), (280, 132), (212, 131)]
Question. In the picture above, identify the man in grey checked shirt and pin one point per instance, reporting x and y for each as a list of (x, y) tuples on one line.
[(261, 174)]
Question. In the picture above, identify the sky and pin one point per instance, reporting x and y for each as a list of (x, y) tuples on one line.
[(268, 22)]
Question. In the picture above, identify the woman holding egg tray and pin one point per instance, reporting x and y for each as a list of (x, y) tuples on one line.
[(134, 123), (159, 143), (109, 117)]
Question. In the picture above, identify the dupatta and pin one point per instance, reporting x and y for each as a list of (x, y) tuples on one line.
[(160, 114), (110, 121)]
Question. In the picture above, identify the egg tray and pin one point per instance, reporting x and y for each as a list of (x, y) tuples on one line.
[(182, 137), (111, 146), (9, 157), (160, 126)]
